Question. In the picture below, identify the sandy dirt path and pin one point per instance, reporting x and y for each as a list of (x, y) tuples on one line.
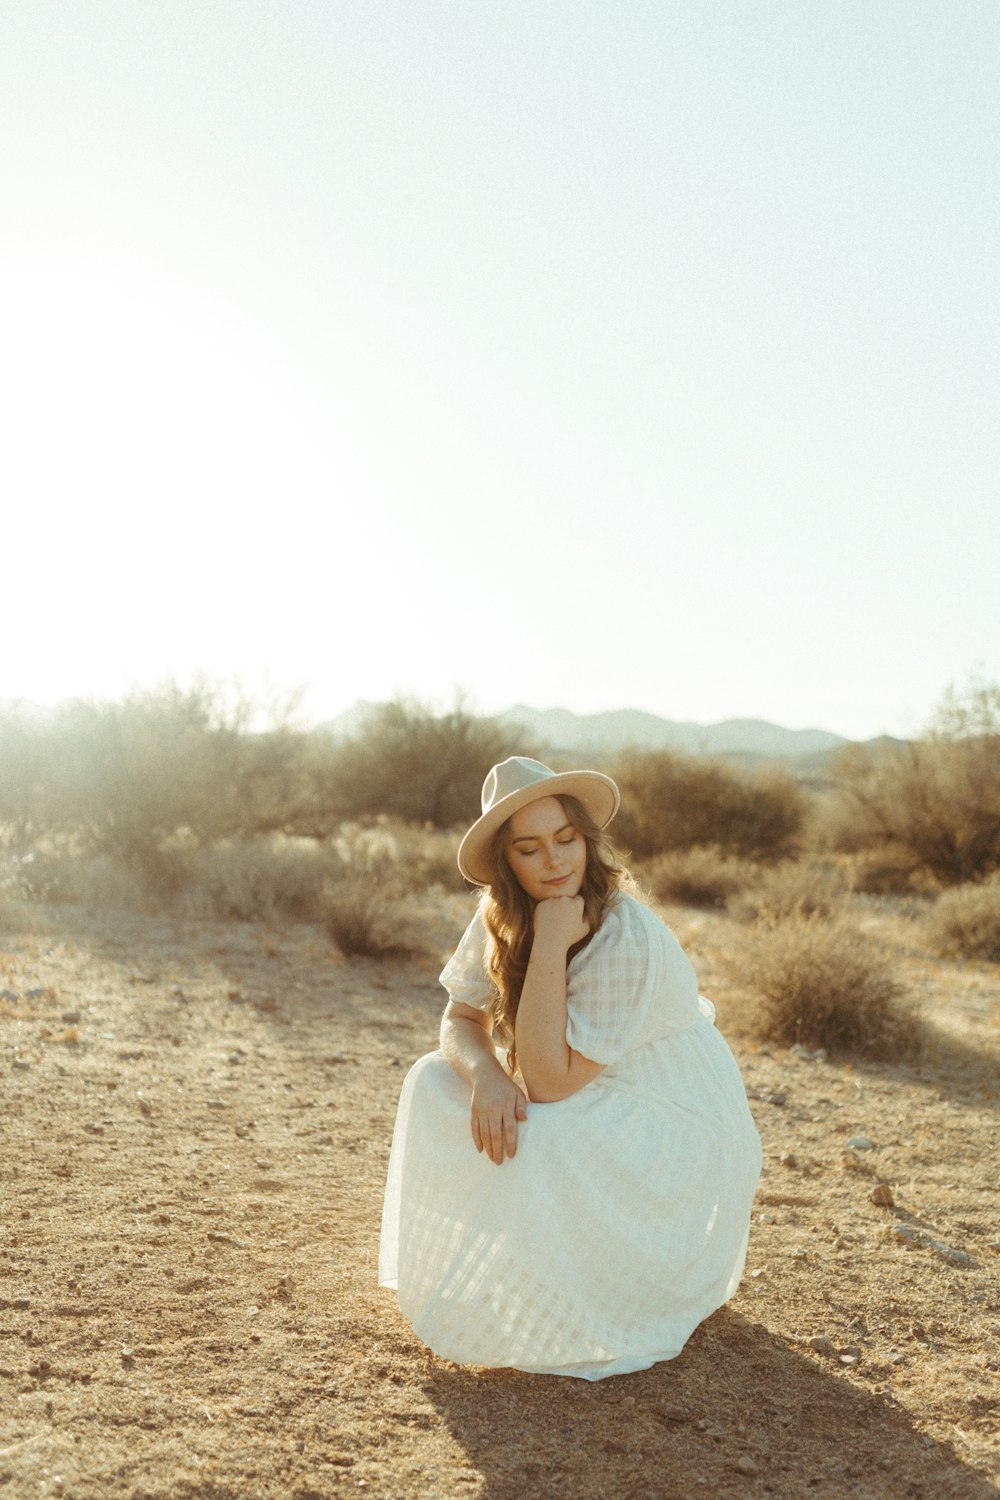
[(195, 1126)]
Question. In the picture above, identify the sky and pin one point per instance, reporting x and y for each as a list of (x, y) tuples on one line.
[(546, 352)]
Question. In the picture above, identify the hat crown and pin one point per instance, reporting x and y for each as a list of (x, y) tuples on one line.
[(513, 775)]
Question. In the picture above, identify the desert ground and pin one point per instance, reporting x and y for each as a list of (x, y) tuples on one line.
[(195, 1125)]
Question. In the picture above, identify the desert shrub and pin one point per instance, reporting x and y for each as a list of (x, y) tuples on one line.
[(195, 765), (825, 983), (702, 876), (672, 801), (794, 886), (430, 856), (364, 921), (59, 873), (886, 870), (368, 898), (260, 880), (965, 922), (933, 802), (420, 766)]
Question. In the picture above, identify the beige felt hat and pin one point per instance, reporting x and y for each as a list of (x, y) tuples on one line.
[(516, 782)]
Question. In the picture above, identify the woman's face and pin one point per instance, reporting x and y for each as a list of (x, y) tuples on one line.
[(546, 853)]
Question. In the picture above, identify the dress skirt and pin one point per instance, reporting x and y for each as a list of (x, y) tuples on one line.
[(619, 1225)]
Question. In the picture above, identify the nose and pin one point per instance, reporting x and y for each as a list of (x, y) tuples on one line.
[(554, 856)]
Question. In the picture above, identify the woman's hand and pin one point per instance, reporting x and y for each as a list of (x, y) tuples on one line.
[(560, 920), (497, 1105)]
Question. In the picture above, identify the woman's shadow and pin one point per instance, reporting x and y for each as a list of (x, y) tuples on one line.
[(738, 1414)]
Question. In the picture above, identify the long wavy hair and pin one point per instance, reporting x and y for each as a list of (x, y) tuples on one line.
[(508, 913)]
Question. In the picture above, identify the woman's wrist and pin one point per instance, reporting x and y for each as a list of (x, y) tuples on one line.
[(548, 947)]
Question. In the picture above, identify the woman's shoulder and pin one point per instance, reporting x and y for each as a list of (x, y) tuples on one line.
[(631, 917)]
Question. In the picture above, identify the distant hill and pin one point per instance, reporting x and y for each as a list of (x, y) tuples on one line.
[(754, 739), (564, 732)]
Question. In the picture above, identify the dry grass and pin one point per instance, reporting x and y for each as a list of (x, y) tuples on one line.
[(366, 920), (824, 983), (965, 922), (803, 887), (703, 877), (887, 870)]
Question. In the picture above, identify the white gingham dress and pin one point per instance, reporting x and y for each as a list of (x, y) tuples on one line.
[(622, 1221)]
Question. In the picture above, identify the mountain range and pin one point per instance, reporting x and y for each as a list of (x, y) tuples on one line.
[(601, 734), (630, 727)]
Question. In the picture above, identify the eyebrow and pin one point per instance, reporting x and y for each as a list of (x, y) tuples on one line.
[(533, 838)]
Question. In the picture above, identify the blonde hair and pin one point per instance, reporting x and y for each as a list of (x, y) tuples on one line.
[(508, 913)]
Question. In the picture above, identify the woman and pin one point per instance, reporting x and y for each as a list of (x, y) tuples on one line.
[(600, 1211)]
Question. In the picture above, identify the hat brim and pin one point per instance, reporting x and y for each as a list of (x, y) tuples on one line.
[(597, 792)]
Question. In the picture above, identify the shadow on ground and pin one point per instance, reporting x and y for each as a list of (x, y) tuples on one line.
[(739, 1414)]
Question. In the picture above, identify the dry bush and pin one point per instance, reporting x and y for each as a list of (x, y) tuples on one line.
[(366, 901), (825, 983), (672, 801), (367, 921), (965, 922), (703, 876), (426, 857), (795, 886), (137, 775), (259, 880), (888, 870), (420, 766), (937, 799), (368, 917)]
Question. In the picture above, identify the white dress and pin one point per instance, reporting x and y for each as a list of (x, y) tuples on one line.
[(621, 1223)]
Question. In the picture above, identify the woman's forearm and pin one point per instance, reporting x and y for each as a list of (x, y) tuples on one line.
[(468, 1047), (544, 1057)]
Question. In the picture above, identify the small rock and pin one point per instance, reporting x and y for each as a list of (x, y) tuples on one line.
[(780, 1097), (788, 1159), (22, 1063), (71, 1017), (881, 1196), (919, 1239), (851, 1352), (9, 995), (821, 1345), (805, 1055), (40, 992), (745, 1465), (860, 1143), (338, 1057), (849, 1359), (144, 1105)]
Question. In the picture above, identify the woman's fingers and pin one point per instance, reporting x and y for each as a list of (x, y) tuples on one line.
[(496, 1134), (510, 1134), (494, 1120)]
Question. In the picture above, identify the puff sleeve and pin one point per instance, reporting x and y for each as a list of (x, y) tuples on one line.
[(464, 976), (632, 984)]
